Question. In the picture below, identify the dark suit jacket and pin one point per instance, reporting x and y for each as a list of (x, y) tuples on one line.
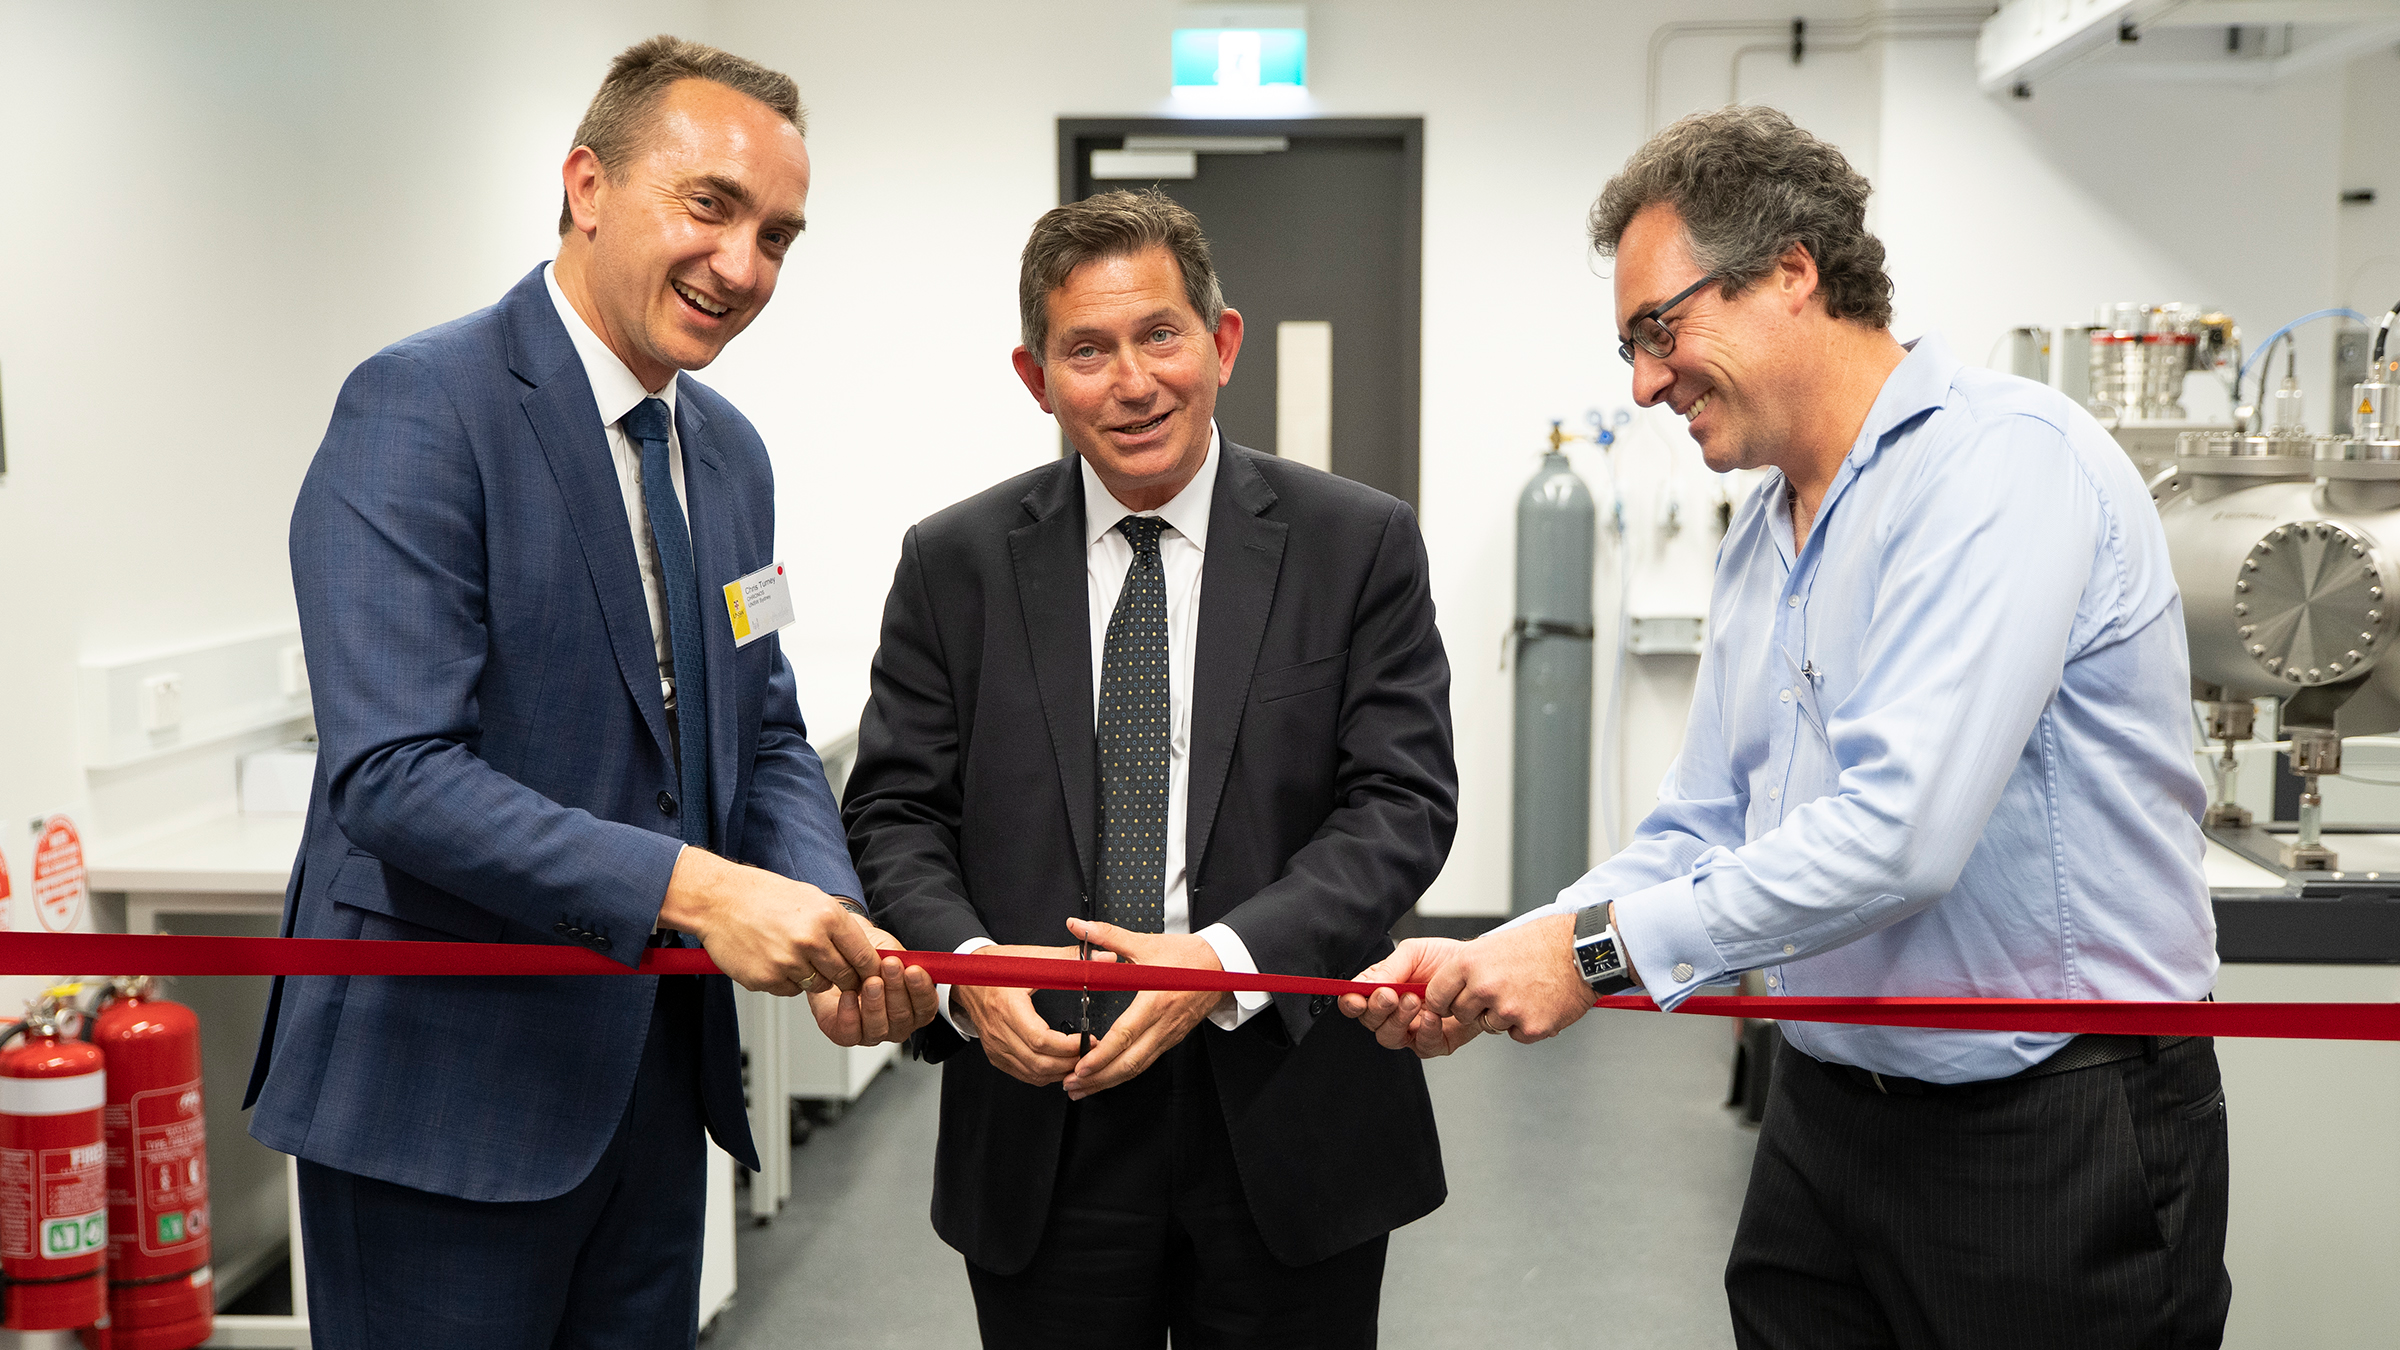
[(1323, 800), (493, 761)]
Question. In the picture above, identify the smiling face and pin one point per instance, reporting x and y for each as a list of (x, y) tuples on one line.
[(1722, 376), (1131, 373), (677, 253)]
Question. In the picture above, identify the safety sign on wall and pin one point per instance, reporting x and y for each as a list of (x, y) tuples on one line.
[(58, 875)]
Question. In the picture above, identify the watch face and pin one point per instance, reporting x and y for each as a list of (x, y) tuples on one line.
[(1598, 960)]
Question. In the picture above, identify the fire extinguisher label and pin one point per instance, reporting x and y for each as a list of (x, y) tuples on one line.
[(73, 1237), (170, 1156), (53, 1204)]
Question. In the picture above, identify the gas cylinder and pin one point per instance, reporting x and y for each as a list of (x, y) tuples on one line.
[(160, 1290), (1551, 813), (53, 1173)]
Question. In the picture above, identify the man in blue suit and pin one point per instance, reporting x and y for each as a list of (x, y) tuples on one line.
[(539, 723)]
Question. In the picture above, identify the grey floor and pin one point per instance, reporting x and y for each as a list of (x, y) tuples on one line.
[(1595, 1171)]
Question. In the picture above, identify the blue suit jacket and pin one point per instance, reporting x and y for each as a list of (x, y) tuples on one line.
[(494, 767)]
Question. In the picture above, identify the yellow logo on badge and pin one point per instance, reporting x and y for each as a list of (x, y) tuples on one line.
[(739, 612)]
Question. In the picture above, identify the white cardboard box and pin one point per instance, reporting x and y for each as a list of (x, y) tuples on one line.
[(276, 782)]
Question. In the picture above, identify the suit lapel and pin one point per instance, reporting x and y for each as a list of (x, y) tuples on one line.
[(560, 408), (1237, 593), (716, 560), (1053, 595)]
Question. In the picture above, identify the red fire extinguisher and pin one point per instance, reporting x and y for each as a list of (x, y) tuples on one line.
[(53, 1173), (161, 1294)]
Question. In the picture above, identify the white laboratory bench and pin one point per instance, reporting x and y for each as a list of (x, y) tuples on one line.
[(2315, 1179), (237, 865)]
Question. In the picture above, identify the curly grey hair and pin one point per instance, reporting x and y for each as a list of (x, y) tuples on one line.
[(1749, 184)]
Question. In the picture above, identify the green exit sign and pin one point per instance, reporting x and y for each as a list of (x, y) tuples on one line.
[(1241, 47)]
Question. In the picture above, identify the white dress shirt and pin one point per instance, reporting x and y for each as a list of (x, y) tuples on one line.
[(1108, 556), (617, 393)]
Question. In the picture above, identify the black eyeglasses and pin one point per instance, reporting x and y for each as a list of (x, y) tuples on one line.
[(1650, 331)]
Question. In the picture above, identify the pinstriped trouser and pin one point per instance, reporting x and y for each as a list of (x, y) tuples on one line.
[(2081, 1209)]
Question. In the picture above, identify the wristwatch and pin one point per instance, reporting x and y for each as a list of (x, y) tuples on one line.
[(1598, 958)]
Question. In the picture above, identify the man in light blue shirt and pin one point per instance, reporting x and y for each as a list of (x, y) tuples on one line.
[(1940, 746)]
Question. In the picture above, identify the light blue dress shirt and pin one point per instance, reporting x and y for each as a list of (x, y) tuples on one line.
[(1946, 750)]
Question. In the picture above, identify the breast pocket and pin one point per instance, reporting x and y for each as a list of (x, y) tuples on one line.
[(1326, 672), (399, 906)]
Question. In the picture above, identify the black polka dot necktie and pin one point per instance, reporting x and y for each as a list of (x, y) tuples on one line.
[(1134, 753)]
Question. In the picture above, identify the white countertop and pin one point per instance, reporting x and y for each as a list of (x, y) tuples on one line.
[(2226, 868), (231, 855)]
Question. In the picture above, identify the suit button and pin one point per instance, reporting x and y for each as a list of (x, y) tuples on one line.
[(666, 802), (561, 927)]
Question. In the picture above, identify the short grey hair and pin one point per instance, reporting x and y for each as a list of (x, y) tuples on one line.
[(1114, 224), (618, 124), (1749, 185)]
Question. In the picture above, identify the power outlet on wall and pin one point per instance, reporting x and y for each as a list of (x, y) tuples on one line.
[(139, 706), (162, 702)]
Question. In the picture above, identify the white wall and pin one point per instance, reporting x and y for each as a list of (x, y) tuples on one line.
[(217, 211), (2366, 265), (2001, 212), (214, 213)]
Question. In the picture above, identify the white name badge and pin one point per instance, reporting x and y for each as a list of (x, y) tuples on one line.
[(759, 604)]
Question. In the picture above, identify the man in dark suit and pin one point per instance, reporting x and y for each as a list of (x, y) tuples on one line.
[(540, 723), (1186, 702)]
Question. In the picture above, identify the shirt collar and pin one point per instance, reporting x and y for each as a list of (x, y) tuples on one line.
[(1188, 512), (1920, 382), (614, 388)]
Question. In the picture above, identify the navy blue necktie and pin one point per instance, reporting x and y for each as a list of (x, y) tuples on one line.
[(648, 425)]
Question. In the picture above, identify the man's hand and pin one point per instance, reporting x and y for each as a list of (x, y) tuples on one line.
[(1158, 1020), (887, 1006), (769, 932), (1402, 1021), (1522, 981), (1014, 1037)]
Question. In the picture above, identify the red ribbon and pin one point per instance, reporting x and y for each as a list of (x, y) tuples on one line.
[(54, 953)]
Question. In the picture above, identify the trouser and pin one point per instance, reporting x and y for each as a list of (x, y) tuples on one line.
[(2081, 1209), (1149, 1237), (614, 1262)]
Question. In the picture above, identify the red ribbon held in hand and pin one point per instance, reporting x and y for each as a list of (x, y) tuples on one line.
[(101, 953)]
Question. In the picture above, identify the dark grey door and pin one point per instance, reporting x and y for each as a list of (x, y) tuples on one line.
[(1324, 231)]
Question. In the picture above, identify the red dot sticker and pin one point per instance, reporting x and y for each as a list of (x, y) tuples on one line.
[(58, 875)]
